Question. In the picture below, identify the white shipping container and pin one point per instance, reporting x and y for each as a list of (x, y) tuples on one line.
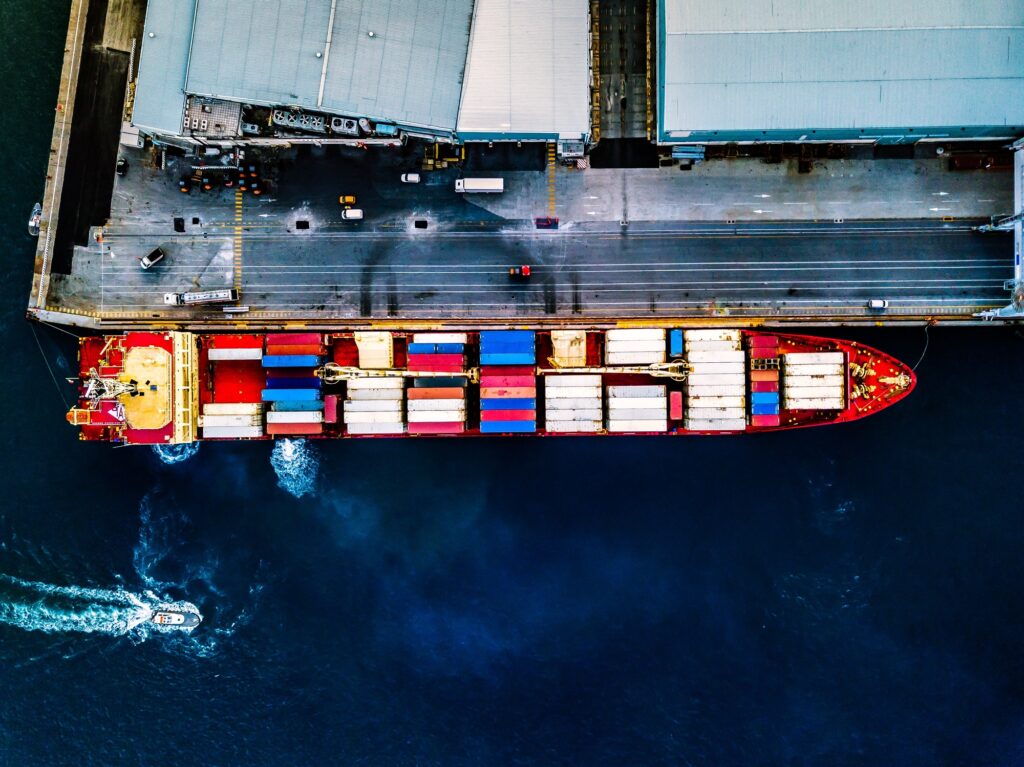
[(712, 346), (440, 338), (834, 381), (637, 426), (694, 390), (372, 405), (717, 368), (572, 403), (393, 416), (718, 334), (437, 416), (717, 356), (573, 392), (637, 414), (376, 383), (817, 403), (368, 394), (713, 413), (252, 419), (633, 358), (636, 334), (636, 391), (715, 379), (581, 414), (814, 358), (702, 401), (376, 428), (635, 346), (233, 408), (235, 354), (305, 416), (418, 405), (624, 403), (561, 381), (730, 424), (573, 427), (815, 370), (232, 432)]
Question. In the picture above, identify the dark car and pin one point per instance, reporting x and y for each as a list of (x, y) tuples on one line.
[(185, 184), (122, 166), (519, 272)]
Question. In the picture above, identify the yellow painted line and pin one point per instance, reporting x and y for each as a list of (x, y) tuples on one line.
[(239, 205), (552, 167)]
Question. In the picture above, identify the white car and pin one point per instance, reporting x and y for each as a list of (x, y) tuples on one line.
[(878, 303), (410, 178), (352, 214), (155, 257)]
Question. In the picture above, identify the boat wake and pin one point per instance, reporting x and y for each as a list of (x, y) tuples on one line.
[(297, 466), (36, 606), (172, 454)]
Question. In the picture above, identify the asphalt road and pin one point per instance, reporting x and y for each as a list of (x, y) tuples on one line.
[(757, 269)]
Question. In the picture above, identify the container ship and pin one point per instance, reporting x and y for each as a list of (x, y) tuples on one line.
[(152, 388)]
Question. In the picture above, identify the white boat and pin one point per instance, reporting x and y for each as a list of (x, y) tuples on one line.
[(34, 219), (173, 618)]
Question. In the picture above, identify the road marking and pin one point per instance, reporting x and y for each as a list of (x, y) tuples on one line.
[(552, 167), (237, 239)]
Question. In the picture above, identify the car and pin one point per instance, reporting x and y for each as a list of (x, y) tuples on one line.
[(352, 214), (185, 184), (519, 272), (347, 199), (410, 178), (878, 304), (153, 257), (122, 166)]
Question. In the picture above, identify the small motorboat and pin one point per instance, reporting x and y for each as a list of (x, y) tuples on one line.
[(34, 219), (176, 619)]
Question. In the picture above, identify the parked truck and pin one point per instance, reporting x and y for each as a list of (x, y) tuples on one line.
[(492, 185)]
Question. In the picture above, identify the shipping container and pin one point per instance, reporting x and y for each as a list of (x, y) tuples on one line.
[(518, 392), (373, 405), (717, 356), (503, 427), (765, 420), (764, 352), (444, 393), (440, 382), (365, 394), (453, 427), (282, 382), (815, 370), (394, 416), (763, 397), (522, 337), (822, 403), (624, 403), (729, 424), (835, 381), (697, 389), (376, 349), (675, 405), (739, 402), (712, 346), (445, 362), (675, 343), (509, 403), (292, 361), (415, 348), (275, 373), (376, 383), (813, 392), (295, 349), (232, 432), (440, 338), (375, 428), (771, 408), (420, 405), (233, 408), (760, 342), (508, 415), (573, 392), (570, 403), (235, 354), (636, 334), (636, 391), (637, 426), (711, 413), (497, 382), (276, 339), (294, 429), (437, 416), (250, 419), (764, 375), (639, 414), (712, 335), (307, 405), (276, 416), (507, 358), (711, 379), (814, 358), (275, 395), (508, 370), (559, 381), (578, 414), (331, 408), (574, 427), (636, 346), (634, 358), (569, 348), (764, 386), (718, 368)]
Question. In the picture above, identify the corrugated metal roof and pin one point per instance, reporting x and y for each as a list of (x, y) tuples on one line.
[(789, 64), (160, 99), (528, 71)]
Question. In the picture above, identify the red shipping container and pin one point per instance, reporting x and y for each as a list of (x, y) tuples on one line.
[(436, 428), (758, 341), (507, 370), (331, 408), (234, 342), (290, 339), (509, 392), (497, 382), (763, 386), (450, 392), (315, 349), (508, 415), (764, 375), (294, 428), (764, 352), (675, 405), (764, 420)]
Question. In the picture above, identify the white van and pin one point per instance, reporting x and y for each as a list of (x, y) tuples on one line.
[(410, 178), (352, 214)]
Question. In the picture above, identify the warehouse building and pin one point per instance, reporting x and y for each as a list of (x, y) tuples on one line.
[(287, 71), (830, 70)]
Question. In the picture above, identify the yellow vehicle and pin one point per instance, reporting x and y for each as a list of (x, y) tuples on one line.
[(347, 199)]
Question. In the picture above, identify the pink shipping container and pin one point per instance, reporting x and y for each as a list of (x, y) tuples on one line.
[(764, 352), (497, 382), (436, 363), (675, 405), (759, 341), (436, 428), (331, 408), (281, 429), (507, 370), (764, 420), (512, 392), (764, 386), (293, 339), (508, 415)]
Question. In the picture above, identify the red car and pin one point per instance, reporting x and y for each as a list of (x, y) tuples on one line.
[(519, 272)]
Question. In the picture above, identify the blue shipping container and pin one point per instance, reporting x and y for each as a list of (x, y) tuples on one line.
[(299, 405), (764, 397), (290, 395), (512, 403), (764, 409), (507, 358), (501, 427), (436, 348), (522, 336), (291, 361), (675, 343)]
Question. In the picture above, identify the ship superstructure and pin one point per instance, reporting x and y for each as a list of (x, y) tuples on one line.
[(177, 387)]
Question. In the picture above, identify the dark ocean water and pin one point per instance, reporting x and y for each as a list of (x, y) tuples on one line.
[(847, 596)]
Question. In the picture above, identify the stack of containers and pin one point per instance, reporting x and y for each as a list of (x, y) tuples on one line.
[(717, 384), (508, 384), (232, 420), (293, 387), (637, 408), (815, 381), (437, 405), (573, 403), (569, 348), (764, 389), (376, 349), (374, 406), (634, 347)]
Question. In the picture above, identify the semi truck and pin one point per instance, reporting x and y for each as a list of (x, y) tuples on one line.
[(224, 296), (492, 185)]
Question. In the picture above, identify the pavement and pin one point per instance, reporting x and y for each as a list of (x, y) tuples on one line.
[(729, 238)]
